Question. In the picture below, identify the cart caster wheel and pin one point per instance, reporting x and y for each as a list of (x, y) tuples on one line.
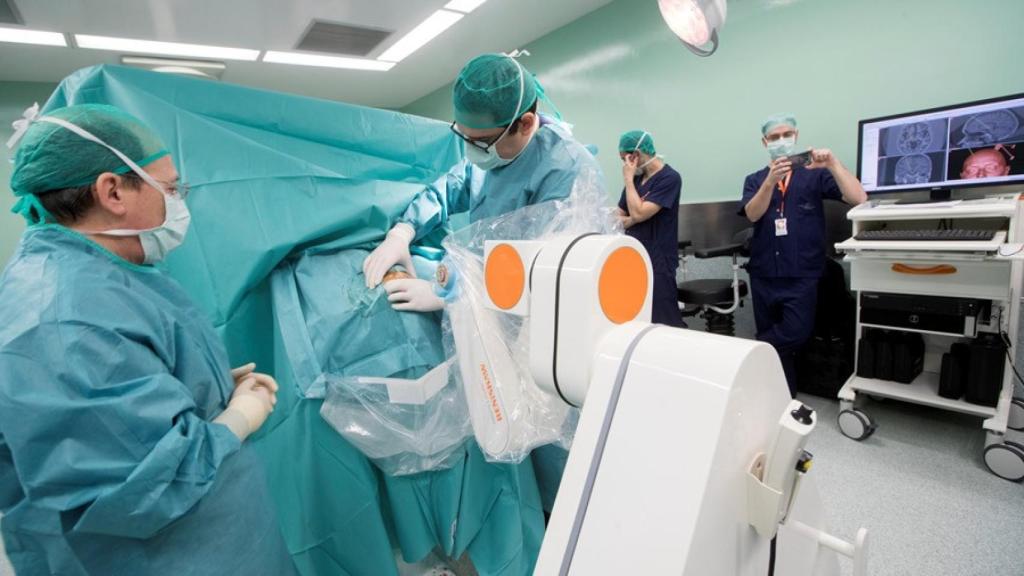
[(855, 424), (1016, 420), (1006, 461)]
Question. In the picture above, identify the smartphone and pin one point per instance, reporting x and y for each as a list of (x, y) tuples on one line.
[(801, 159)]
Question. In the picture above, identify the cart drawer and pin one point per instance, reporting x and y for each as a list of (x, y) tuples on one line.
[(989, 280)]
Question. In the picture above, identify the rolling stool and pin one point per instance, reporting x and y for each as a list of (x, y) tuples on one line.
[(715, 299)]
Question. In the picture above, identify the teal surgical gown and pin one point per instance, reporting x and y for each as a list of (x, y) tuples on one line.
[(546, 170), (109, 461)]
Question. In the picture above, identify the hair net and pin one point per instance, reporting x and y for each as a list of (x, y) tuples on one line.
[(487, 92), (52, 157), (637, 141), (775, 120)]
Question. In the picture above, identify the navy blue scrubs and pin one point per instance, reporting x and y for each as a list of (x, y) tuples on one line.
[(784, 270), (660, 235)]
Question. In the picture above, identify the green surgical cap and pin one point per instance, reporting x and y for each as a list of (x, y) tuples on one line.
[(638, 140), (51, 157), (775, 120), (487, 91)]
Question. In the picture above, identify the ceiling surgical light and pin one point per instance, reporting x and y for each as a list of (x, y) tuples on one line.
[(696, 22)]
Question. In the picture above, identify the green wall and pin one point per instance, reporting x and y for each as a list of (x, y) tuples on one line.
[(831, 62), (14, 98)]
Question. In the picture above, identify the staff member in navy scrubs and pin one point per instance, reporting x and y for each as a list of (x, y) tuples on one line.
[(787, 250), (649, 211)]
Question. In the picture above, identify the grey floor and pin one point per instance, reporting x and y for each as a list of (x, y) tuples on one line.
[(921, 488)]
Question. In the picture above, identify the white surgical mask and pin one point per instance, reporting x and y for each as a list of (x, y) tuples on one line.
[(782, 147), (157, 242), (490, 159)]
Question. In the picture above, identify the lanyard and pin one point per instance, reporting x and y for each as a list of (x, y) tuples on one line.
[(783, 188)]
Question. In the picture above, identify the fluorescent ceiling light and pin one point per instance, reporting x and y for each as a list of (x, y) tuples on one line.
[(301, 59), (202, 68), (22, 36), (427, 30), (466, 6), (165, 48)]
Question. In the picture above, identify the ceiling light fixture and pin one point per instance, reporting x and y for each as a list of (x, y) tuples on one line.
[(301, 59), (201, 68), (695, 22), (429, 29), (23, 36), (165, 48), (466, 6)]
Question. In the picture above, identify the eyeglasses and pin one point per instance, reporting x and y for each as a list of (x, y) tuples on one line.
[(483, 145), (175, 188), (780, 136)]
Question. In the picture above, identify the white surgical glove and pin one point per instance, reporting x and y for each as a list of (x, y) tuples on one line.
[(393, 250), (413, 295), (252, 401)]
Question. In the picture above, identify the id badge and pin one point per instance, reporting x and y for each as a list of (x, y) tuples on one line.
[(780, 227)]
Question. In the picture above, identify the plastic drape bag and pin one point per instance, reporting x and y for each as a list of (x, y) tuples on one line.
[(405, 426), (511, 415), (383, 374)]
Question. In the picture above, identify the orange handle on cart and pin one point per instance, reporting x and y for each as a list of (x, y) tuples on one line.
[(937, 270)]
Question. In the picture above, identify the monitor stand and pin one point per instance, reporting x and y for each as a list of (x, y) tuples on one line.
[(935, 195)]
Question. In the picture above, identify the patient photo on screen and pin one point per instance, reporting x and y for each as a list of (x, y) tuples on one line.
[(987, 128), (913, 138), (911, 169), (986, 162)]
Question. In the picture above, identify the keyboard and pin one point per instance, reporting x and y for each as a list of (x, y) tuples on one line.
[(958, 235)]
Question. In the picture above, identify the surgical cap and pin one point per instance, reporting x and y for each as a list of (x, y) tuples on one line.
[(51, 157), (637, 140), (488, 89), (776, 120)]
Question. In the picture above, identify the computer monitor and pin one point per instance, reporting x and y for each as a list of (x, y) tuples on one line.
[(973, 144)]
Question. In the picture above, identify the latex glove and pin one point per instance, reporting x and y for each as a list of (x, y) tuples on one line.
[(252, 401), (242, 372), (413, 295), (393, 250)]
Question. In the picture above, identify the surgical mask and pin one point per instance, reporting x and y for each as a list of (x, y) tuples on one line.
[(781, 147), (157, 242), (489, 159)]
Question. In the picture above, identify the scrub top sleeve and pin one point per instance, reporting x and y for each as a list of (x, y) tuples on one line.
[(665, 192), (828, 186), (750, 187), (622, 201), (432, 207), (100, 430)]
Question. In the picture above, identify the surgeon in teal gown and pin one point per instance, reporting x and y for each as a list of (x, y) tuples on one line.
[(517, 158), (122, 429)]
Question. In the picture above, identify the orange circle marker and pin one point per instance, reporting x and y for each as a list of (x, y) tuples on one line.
[(504, 276), (622, 287)]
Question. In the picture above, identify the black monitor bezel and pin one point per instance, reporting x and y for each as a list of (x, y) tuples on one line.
[(860, 145)]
